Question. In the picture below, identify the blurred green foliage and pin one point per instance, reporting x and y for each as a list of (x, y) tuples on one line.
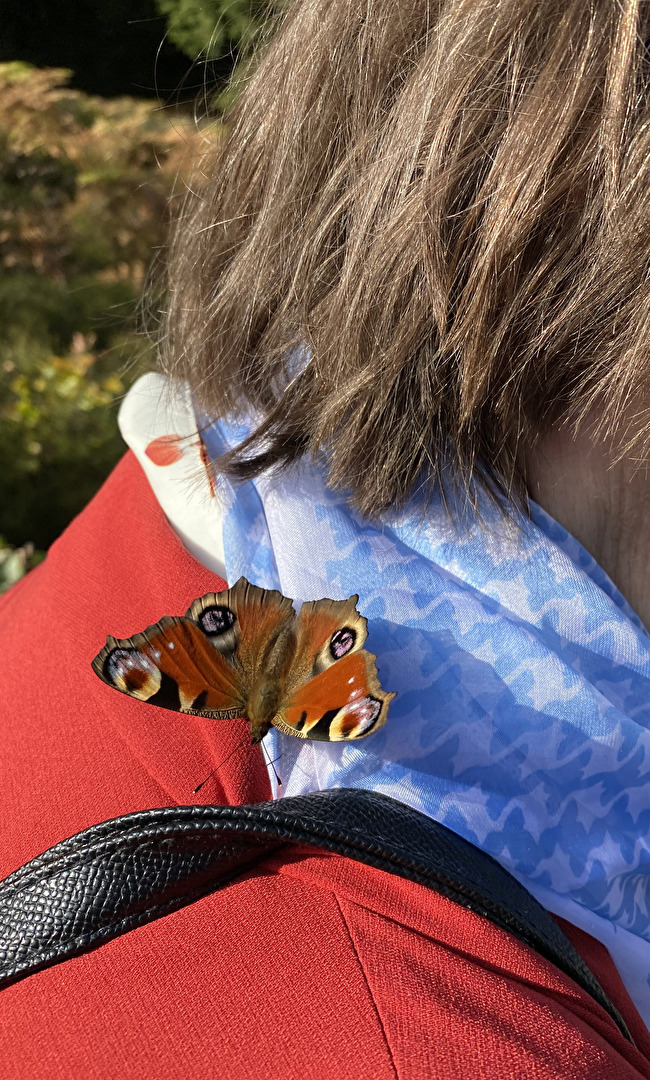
[(85, 184), (208, 28), (220, 35), (15, 562), (84, 191)]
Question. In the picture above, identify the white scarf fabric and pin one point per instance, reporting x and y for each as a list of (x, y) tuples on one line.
[(522, 716)]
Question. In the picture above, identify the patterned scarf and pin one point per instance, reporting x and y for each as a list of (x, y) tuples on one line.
[(522, 717)]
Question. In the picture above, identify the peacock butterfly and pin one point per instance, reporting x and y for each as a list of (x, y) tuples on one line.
[(245, 653)]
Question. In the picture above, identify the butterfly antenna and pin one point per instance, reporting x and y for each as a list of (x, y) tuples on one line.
[(210, 775), (271, 764)]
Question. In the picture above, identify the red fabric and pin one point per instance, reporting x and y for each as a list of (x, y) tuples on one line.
[(312, 967)]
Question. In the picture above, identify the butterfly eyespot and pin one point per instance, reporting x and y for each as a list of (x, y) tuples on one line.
[(342, 641), (367, 710), (132, 671), (217, 620), (121, 662), (358, 719)]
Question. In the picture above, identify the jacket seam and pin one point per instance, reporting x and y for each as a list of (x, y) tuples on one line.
[(368, 987)]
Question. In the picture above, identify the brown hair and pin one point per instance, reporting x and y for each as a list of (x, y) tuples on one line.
[(448, 205)]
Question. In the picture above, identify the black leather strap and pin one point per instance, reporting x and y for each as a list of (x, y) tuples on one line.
[(129, 871)]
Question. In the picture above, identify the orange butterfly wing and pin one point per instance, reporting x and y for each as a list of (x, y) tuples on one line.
[(344, 702), (333, 692), (206, 662), (174, 665)]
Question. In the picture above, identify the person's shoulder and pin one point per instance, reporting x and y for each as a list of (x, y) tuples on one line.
[(312, 965), (72, 750)]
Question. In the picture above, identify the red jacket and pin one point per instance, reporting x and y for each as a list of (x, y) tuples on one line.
[(310, 967)]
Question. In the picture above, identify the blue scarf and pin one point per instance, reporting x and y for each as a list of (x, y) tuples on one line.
[(522, 713)]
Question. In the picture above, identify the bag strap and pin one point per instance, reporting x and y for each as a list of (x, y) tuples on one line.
[(131, 870)]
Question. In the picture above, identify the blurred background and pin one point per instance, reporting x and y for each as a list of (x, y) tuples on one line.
[(103, 106)]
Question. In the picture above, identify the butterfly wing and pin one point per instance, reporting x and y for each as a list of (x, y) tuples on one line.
[(324, 631), (247, 621), (333, 692), (173, 664), (343, 702), (204, 663)]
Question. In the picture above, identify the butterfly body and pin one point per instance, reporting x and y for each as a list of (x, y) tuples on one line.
[(266, 688), (245, 653)]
